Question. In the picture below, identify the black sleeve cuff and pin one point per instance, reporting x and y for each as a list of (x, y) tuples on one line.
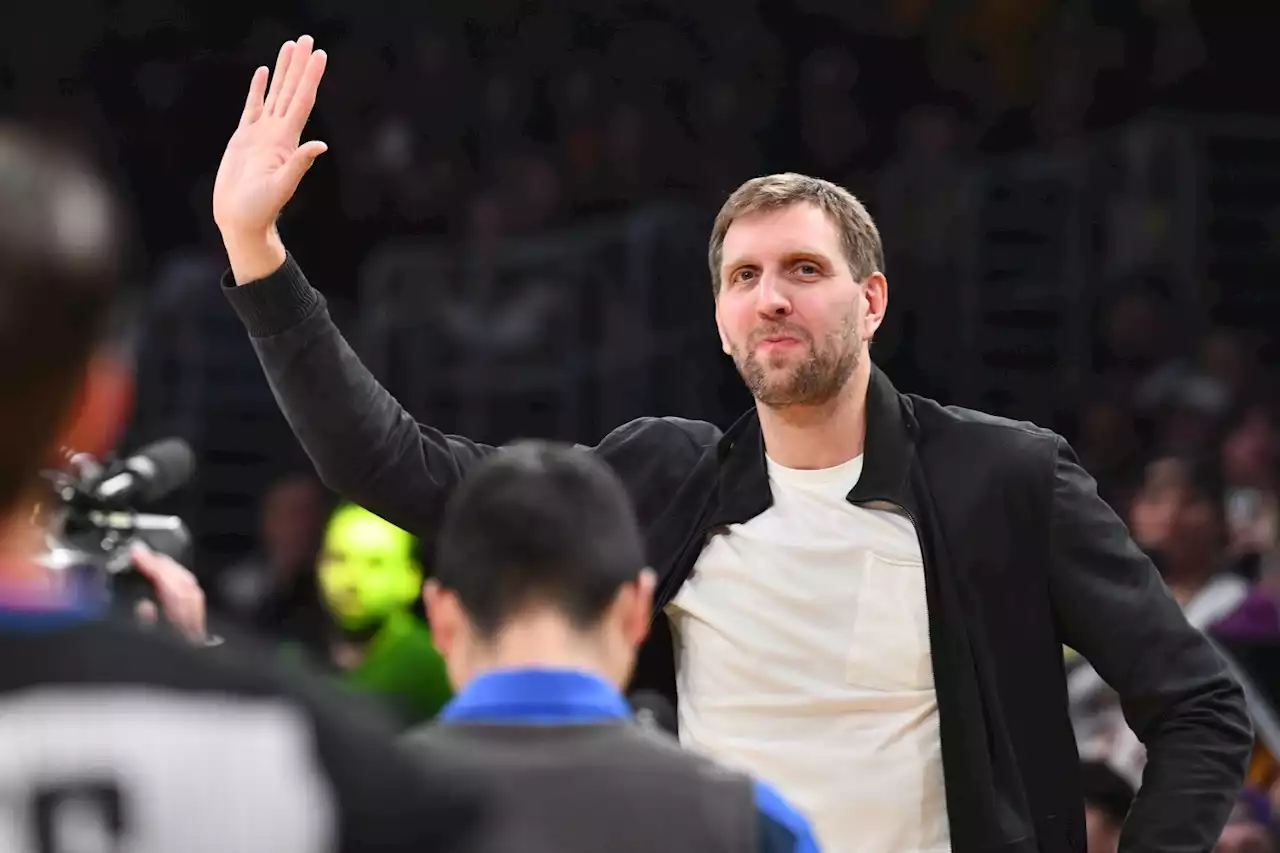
[(273, 304)]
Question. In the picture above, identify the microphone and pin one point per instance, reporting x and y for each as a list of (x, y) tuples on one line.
[(654, 712), (151, 473)]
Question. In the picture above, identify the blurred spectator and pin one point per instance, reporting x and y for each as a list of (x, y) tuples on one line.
[(1177, 517), (1134, 334), (1229, 360), (831, 125), (728, 119), (1249, 462), (1110, 448), (1250, 829), (370, 578), (925, 206), (1107, 799), (274, 588)]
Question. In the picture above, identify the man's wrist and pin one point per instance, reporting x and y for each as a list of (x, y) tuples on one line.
[(254, 256)]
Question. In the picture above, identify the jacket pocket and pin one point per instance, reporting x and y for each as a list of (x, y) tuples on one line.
[(889, 643)]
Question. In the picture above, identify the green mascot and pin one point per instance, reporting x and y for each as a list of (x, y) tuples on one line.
[(370, 580)]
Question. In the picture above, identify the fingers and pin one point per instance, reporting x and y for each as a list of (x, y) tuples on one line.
[(146, 613), (179, 594), (253, 101), (277, 76), (291, 173), (304, 98), (297, 66)]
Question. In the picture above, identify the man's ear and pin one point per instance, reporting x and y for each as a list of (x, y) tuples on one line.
[(876, 291), (636, 606), (724, 339), (444, 613)]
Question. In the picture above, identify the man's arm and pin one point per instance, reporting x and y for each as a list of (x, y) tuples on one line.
[(1179, 698), (363, 443), (365, 446), (782, 829)]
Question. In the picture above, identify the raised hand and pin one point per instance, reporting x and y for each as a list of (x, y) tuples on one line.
[(264, 163)]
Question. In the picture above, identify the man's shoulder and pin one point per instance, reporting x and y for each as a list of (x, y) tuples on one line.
[(171, 723), (229, 718), (670, 434), (654, 457), (628, 744), (1000, 437)]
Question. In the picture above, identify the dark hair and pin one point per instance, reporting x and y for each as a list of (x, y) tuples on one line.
[(61, 257), (538, 524), (1201, 475)]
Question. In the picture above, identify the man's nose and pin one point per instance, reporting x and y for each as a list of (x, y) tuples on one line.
[(772, 299)]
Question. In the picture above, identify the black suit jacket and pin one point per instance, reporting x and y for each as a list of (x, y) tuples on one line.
[(1021, 557)]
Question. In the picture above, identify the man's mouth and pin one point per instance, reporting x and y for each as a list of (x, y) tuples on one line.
[(778, 342)]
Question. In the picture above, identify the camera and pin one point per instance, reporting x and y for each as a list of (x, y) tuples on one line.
[(90, 521)]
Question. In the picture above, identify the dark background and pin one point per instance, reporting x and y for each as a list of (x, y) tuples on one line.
[(1080, 203)]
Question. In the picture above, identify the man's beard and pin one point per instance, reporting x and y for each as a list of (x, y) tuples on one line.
[(815, 379)]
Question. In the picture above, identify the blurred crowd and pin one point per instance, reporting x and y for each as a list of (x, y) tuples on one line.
[(483, 120), (505, 119)]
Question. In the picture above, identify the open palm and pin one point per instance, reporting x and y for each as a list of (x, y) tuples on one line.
[(264, 163)]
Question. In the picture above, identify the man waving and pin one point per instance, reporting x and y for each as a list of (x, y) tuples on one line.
[(868, 592)]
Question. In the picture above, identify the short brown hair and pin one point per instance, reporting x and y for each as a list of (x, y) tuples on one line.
[(858, 233)]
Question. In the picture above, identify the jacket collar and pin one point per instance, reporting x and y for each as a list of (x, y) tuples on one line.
[(743, 488), (533, 695)]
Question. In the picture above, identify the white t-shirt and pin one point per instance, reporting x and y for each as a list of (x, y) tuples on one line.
[(802, 656)]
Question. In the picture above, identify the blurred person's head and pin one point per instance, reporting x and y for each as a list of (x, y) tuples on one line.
[(797, 270), (1225, 357), (1134, 326), (1108, 434), (291, 522), (1251, 448), (928, 132), (1178, 515), (1249, 828), (67, 381), (368, 569), (830, 72), (1107, 799), (540, 562)]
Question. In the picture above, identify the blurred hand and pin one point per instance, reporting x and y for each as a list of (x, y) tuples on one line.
[(263, 162), (1259, 534), (179, 594)]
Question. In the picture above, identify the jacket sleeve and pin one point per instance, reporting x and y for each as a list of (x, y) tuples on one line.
[(782, 829), (1178, 696), (368, 449), (363, 443)]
